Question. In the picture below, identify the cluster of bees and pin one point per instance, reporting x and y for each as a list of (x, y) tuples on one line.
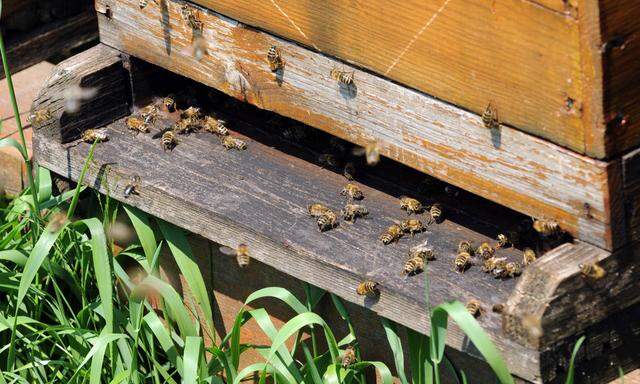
[(327, 219)]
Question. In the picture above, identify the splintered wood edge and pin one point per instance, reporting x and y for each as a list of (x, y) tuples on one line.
[(522, 360), (553, 301), (505, 165)]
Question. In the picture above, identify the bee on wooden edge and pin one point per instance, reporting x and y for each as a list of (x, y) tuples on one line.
[(241, 253)]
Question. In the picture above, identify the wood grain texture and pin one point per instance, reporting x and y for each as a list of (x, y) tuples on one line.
[(507, 166), (631, 177)]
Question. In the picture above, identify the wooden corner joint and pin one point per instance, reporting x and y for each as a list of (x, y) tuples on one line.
[(567, 290)]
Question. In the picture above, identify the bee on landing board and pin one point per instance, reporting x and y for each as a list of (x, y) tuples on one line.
[(503, 241), (411, 205), (352, 191), (92, 135), (215, 126), (391, 234), (168, 140), (423, 251), (493, 264), (230, 142), (412, 226), (149, 114), (465, 246), (462, 262), (436, 212), (274, 59), (349, 171), (490, 117), (418, 256), (169, 103), (342, 77), (317, 209), (137, 125), (510, 269), (592, 271), (528, 256), (241, 253), (132, 187), (485, 251), (474, 308), (368, 288), (349, 357), (327, 220), (351, 212)]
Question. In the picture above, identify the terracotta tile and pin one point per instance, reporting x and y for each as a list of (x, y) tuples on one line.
[(27, 84)]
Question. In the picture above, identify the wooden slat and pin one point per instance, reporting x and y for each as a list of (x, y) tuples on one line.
[(506, 165), (521, 56)]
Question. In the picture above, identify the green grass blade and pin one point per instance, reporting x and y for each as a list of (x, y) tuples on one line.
[(419, 358), (13, 143), (311, 366), (142, 226), (621, 375), (395, 344), (99, 344), (474, 332), (250, 369), (280, 294), (191, 359), (78, 189), (571, 373), (173, 301), (14, 256), (44, 184), (164, 338)]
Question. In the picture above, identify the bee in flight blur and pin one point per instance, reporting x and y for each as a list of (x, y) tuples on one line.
[(371, 152), (132, 187), (241, 253)]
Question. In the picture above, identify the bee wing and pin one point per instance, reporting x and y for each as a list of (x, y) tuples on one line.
[(227, 250), (373, 156)]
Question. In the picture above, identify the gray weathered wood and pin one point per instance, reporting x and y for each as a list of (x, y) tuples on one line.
[(507, 166)]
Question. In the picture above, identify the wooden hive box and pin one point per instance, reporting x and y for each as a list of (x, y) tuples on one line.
[(259, 196)]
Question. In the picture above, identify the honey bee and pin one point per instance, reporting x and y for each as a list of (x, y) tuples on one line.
[(498, 308), (191, 113), (352, 191), (241, 253), (371, 152), (57, 221), (546, 227), (368, 288), (510, 269), (422, 251), (274, 58), (413, 266), (503, 241), (494, 263), (485, 251), (168, 140), (328, 160), (528, 256), (137, 125), (349, 356), (191, 16), (391, 234), (474, 308), (353, 211), (91, 135), (412, 226), (462, 261), (327, 220), (436, 212), (230, 142), (185, 126), (342, 77), (169, 103), (215, 126), (490, 117), (149, 113), (411, 205), (592, 271), (40, 116), (349, 171), (132, 187), (317, 209), (465, 246)]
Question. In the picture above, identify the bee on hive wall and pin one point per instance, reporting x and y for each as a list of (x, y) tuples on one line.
[(352, 191), (391, 234), (592, 271), (241, 253), (91, 135), (168, 140), (490, 117), (274, 59), (411, 205), (132, 187), (474, 308), (371, 151), (192, 17), (351, 212), (368, 288), (546, 227)]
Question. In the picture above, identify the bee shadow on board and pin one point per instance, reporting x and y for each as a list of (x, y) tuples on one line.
[(279, 76), (348, 91), (496, 137)]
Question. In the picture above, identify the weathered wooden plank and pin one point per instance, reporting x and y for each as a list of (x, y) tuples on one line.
[(521, 56), (631, 171), (507, 166), (30, 44)]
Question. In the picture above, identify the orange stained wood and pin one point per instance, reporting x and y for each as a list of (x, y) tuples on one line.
[(507, 166)]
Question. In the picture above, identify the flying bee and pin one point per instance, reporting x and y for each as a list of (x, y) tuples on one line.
[(411, 205), (368, 288), (241, 253), (137, 125), (422, 251), (371, 152), (191, 16), (57, 221), (485, 251), (342, 77), (351, 212), (40, 116), (169, 103), (215, 126), (490, 117), (546, 227), (510, 269), (391, 234), (465, 246), (168, 140), (91, 135), (327, 220), (474, 308), (412, 226), (132, 187), (498, 308), (462, 261), (528, 256), (328, 160), (274, 58), (349, 171), (436, 212), (349, 356), (352, 191), (503, 241), (317, 209), (494, 263), (230, 142), (592, 271)]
